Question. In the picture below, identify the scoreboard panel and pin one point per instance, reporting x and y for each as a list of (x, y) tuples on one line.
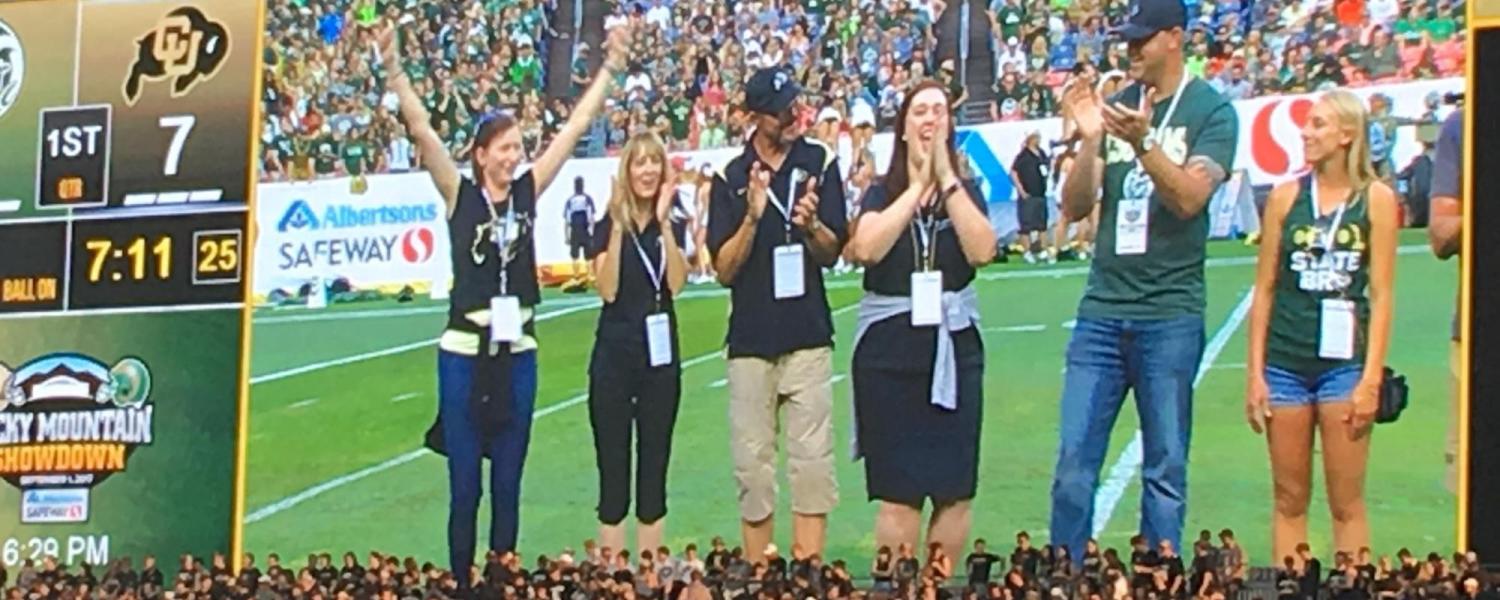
[(125, 186)]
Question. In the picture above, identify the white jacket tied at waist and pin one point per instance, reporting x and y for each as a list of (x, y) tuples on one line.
[(960, 312)]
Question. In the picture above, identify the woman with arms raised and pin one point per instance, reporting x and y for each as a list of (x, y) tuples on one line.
[(487, 353)]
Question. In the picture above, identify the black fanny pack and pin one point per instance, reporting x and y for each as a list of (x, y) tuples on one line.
[(1393, 395)]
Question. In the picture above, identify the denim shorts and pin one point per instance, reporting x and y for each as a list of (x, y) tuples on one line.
[(1290, 388)]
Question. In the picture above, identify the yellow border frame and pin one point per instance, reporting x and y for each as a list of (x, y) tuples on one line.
[(247, 312)]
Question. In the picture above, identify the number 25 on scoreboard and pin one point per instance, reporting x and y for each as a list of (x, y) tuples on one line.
[(216, 257)]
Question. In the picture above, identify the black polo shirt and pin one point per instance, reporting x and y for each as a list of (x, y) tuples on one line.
[(760, 325), (622, 323)]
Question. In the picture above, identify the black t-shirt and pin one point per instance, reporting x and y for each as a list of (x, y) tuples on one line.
[(776, 569), (622, 323), (717, 560), (1142, 560), (1310, 578), (1028, 559), (892, 275), (803, 322), (979, 565), (906, 569), (1031, 167)]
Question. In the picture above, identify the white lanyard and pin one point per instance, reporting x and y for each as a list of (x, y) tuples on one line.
[(1338, 217), (786, 211), (1160, 131), (654, 272), (502, 239)]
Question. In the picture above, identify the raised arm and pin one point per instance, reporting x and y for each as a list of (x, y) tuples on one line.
[(430, 147), (1080, 192), (546, 166)]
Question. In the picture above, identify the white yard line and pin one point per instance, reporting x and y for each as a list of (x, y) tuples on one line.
[(1129, 464)]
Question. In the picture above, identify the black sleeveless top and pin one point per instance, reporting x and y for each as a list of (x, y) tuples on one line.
[(476, 262)]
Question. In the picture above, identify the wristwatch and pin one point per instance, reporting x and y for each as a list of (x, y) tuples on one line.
[(1147, 143)]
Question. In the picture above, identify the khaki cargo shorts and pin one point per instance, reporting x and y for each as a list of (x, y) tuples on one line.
[(759, 389)]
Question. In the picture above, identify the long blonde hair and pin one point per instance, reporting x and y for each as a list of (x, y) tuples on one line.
[(640, 145), (1350, 112)]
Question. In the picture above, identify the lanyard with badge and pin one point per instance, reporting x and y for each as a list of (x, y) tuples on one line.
[(505, 308), (658, 323), (789, 272), (926, 280), (1133, 211), (1336, 320)]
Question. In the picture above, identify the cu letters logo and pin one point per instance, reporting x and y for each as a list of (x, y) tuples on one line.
[(185, 46), (1275, 136), (417, 245)]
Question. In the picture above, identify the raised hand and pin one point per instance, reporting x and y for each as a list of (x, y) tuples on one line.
[(385, 41), (1082, 103), (617, 47), (760, 183), (667, 193), (805, 213), (942, 162)]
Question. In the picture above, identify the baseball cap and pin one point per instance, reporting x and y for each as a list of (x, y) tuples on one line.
[(1147, 17), (771, 91)]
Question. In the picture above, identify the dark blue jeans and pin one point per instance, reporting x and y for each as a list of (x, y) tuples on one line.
[(507, 456), (1158, 359)]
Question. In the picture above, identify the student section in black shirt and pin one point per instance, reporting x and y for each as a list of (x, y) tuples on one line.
[(979, 565), (622, 323), (800, 323)]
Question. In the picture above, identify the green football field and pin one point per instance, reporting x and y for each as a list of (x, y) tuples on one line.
[(341, 397)]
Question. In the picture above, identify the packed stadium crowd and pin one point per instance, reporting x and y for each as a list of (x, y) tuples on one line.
[(1215, 570), (327, 112)]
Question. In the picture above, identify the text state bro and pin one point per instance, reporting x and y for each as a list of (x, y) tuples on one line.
[(1152, 157), (776, 219)]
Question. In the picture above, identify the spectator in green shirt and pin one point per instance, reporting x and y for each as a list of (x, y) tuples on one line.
[(357, 156), (1440, 25), (526, 70)]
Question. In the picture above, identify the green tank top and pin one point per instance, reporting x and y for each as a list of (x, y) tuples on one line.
[(1311, 271)]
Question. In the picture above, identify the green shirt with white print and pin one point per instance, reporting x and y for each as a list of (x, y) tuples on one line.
[(1165, 279)]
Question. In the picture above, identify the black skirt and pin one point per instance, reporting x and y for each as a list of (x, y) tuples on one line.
[(912, 449)]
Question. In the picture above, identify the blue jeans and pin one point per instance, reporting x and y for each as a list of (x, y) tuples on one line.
[(1158, 359), (507, 455)]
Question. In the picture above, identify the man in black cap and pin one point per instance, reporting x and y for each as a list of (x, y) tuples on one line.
[(776, 219), (1152, 156)]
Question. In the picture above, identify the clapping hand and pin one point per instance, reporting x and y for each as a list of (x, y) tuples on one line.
[(805, 213), (667, 193), (1130, 125), (760, 184), (1081, 102)]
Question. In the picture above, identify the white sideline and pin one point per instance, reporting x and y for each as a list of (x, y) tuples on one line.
[(1107, 498)]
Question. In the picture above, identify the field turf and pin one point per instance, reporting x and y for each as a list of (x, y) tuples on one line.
[(341, 397)]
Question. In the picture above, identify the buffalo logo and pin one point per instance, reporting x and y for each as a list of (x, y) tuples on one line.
[(12, 67), (68, 420), (185, 46), (1275, 145), (1137, 185), (416, 245)]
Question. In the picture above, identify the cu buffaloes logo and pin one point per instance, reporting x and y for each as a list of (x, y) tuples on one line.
[(185, 46)]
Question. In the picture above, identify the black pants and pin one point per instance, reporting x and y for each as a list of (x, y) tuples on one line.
[(623, 395)]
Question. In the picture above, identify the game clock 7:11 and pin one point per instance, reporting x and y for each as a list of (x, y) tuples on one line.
[(172, 260)]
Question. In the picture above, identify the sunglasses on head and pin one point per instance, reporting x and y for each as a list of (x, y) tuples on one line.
[(487, 118)]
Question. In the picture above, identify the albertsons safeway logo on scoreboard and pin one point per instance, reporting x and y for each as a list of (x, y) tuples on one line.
[(67, 422)]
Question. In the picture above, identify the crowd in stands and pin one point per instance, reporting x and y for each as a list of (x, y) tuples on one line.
[(325, 103), (1215, 570)]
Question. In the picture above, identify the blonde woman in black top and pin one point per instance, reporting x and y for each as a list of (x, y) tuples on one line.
[(634, 374)]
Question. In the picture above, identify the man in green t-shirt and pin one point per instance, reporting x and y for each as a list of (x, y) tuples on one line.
[(357, 156), (1157, 151), (326, 154)]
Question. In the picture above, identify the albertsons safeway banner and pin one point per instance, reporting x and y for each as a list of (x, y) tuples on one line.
[(394, 233)]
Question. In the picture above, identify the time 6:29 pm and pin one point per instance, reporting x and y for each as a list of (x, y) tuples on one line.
[(70, 550)]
